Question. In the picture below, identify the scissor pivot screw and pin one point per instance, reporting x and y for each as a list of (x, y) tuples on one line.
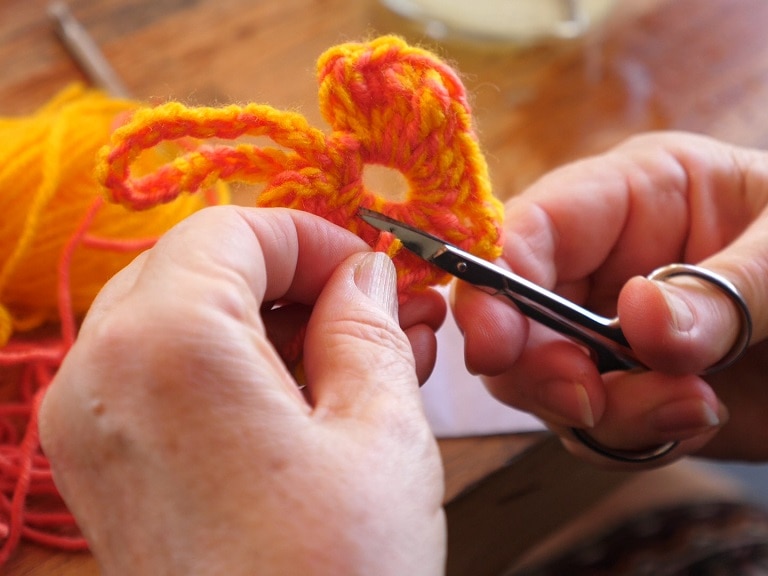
[(461, 267)]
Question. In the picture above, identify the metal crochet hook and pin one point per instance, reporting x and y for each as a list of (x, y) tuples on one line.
[(603, 336), (85, 51)]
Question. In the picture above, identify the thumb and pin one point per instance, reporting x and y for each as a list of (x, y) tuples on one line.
[(356, 356), (682, 324)]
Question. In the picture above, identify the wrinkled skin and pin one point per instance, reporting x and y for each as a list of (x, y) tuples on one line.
[(183, 445)]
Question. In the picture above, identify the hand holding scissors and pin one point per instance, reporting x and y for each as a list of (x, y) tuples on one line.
[(602, 336), (592, 231)]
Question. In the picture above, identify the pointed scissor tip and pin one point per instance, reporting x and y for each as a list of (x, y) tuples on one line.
[(379, 220), (422, 244)]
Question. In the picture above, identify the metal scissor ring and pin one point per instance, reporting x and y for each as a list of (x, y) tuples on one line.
[(630, 456), (736, 351)]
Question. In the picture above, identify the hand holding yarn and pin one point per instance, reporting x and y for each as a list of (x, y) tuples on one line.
[(592, 230), (204, 442)]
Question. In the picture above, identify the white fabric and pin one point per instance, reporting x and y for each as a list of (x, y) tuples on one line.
[(457, 403)]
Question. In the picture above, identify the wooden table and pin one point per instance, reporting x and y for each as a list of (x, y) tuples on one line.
[(657, 64)]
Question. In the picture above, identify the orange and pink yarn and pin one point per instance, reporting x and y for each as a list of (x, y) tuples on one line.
[(387, 103), (60, 241)]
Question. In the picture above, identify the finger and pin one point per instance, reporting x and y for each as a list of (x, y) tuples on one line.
[(524, 364), (745, 264), (424, 348), (595, 217), (358, 360), (273, 253), (554, 379), (256, 249), (286, 326), (426, 307), (494, 331), (654, 200), (682, 325), (695, 323), (420, 317), (648, 409)]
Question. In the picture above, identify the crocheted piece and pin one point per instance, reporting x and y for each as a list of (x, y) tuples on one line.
[(387, 103)]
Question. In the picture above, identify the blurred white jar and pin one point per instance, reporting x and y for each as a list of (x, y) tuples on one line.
[(522, 21)]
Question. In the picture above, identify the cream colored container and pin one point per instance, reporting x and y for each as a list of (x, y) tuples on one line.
[(519, 21)]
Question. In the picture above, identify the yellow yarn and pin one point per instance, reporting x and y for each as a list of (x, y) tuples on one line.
[(46, 187)]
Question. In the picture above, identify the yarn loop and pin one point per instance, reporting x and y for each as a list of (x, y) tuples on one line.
[(387, 103)]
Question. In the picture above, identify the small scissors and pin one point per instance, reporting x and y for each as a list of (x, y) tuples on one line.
[(602, 336)]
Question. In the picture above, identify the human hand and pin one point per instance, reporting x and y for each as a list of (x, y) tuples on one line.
[(591, 231), (181, 442)]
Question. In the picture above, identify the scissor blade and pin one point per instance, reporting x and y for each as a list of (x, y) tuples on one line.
[(424, 245), (445, 256)]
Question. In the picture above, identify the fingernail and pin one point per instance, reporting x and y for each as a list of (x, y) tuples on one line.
[(688, 417), (682, 314), (375, 276), (567, 400)]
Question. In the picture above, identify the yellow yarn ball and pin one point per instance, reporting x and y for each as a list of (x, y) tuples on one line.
[(47, 185)]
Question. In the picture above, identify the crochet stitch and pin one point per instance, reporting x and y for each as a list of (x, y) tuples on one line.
[(387, 103)]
